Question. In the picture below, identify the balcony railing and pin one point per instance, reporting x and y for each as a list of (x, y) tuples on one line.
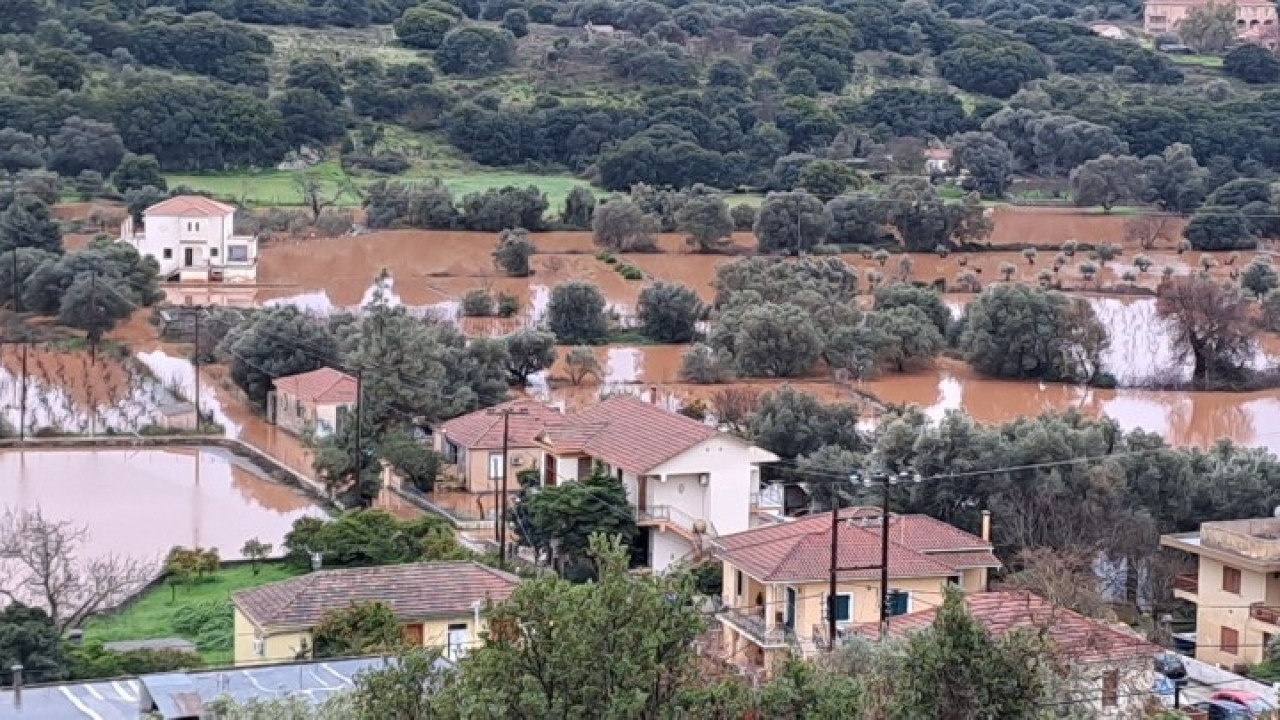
[(1186, 583), (673, 516), (751, 622), (1269, 614)]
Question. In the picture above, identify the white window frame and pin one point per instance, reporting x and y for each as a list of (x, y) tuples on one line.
[(234, 254), (495, 466), (910, 600)]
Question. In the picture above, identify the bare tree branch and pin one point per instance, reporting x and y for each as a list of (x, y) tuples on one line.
[(41, 564)]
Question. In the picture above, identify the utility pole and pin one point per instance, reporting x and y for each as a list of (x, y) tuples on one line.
[(196, 359), (22, 398), (500, 521), (93, 306), (359, 412), (17, 298), (885, 481)]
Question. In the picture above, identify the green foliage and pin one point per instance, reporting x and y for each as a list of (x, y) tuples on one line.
[(576, 313), (359, 629), (91, 661), (703, 365), (512, 254), (421, 27), (1252, 64), (270, 344), (902, 294), (988, 161), (669, 313), (621, 225), (1271, 311), (475, 50), (992, 67), (516, 21), (1259, 278), (411, 457), (93, 306), (1174, 179), (256, 551), (1106, 181), (792, 422), (528, 351), (28, 260), (1209, 28), (579, 207), (363, 538), (791, 222), (85, 145), (1026, 332), (477, 302), (138, 171), (210, 622), (28, 223), (828, 178), (1219, 228), (505, 208), (551, 632), (707, 220), (558, 522), (28, 637)]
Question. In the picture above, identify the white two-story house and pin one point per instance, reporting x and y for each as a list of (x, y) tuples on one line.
[(687, 481), (192, 237)]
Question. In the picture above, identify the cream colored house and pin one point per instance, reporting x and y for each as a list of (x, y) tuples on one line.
[(777, 579), (439, 604), (1236, 588), (318, 401), (686, 481), (1165, 15), (1110, 667), (193, 238), (471, 445)]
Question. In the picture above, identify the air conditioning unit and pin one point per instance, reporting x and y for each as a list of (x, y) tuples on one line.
[(259, 646), (517, 461)]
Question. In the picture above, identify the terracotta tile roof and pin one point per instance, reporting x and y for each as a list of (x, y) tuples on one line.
[(414, 591), (189, 206), (1074, 636), (482, 429), (919, 546), (627, 433), (325, 385)]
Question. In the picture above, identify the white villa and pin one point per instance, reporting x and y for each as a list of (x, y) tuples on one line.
[(192, 238), (687, 481)]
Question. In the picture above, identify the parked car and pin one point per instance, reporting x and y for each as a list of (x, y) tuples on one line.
[(1256, 705), (1170, 666), (1222, 710)]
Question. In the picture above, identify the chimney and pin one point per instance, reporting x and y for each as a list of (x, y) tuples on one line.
[(986, 525), (17, 685), (653, 394)]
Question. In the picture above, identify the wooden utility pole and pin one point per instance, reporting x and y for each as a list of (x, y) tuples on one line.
[(500, 521), (22, 398), (359, 412), (196, 359)]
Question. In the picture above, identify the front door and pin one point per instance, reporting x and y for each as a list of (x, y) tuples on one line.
[(790, 618), (188, 257), (412, 634), (457, 641)]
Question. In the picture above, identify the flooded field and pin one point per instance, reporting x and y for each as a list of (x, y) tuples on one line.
[(71, 391), (143, 502)]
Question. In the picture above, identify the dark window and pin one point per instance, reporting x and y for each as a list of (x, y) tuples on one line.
[(843, 605), (1229, 639), (1110, 688), (1230, 580), (238, 253), (168, 253), (898, 603), (737, 583), (213, 252)]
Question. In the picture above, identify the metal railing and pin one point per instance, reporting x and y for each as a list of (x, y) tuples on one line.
[(666, 514), (1186, 582), (1269, 614), (751, 622)]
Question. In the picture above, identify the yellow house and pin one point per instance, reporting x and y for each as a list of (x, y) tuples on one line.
[(1236, 588), (439, 605), (471, 444), (777, 578), (318, 401)]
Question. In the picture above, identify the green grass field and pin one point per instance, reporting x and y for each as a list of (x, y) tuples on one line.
[(151, 615), (1206, 61)]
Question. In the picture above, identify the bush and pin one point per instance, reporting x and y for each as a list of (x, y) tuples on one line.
[(92, 661), (704, 366), (391, 163), (513, 252), (668, 312), (508, 305), (209, 622), (630, 272), (477, 303), (744, 217)]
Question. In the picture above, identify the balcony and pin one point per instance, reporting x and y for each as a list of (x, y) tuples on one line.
[(1269, 614), (1187, 583), (666, 517), (751, 622)]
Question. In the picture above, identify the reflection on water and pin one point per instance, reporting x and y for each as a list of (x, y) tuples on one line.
[(143, 502)]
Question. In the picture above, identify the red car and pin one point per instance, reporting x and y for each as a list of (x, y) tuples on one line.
[(1256, 705)]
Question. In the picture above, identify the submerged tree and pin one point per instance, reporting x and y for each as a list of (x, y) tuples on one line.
[(1212, 327)]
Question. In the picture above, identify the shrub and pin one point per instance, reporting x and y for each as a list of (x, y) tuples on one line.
[(630, 272), (477, 303)]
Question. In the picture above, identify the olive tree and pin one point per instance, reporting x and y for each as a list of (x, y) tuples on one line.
[(513, 252), (669, 312), (621, 225), (576, 313), (791, 222), (707, 221)]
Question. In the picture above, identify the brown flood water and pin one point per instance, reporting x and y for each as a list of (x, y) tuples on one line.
[(143, 502)]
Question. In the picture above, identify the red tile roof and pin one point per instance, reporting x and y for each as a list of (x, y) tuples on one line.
[(482, 429), (626, 432), (189, 206), (413, 591), (919, 546), (325, 385), (1074, 636)]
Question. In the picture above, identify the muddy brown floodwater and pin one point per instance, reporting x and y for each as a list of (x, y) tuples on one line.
[(143, 502)]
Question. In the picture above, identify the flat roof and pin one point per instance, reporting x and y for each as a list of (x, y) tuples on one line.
[(1190, 542), (121, 699)]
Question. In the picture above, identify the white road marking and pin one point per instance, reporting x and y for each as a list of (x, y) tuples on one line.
[(79, 705), (123, 692), (337, 674), (255, 682), (94, 692)]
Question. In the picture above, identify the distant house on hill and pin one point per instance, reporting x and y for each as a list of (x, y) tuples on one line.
[(193, 239), (1165, 15), (594, 31), (937, 161)]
